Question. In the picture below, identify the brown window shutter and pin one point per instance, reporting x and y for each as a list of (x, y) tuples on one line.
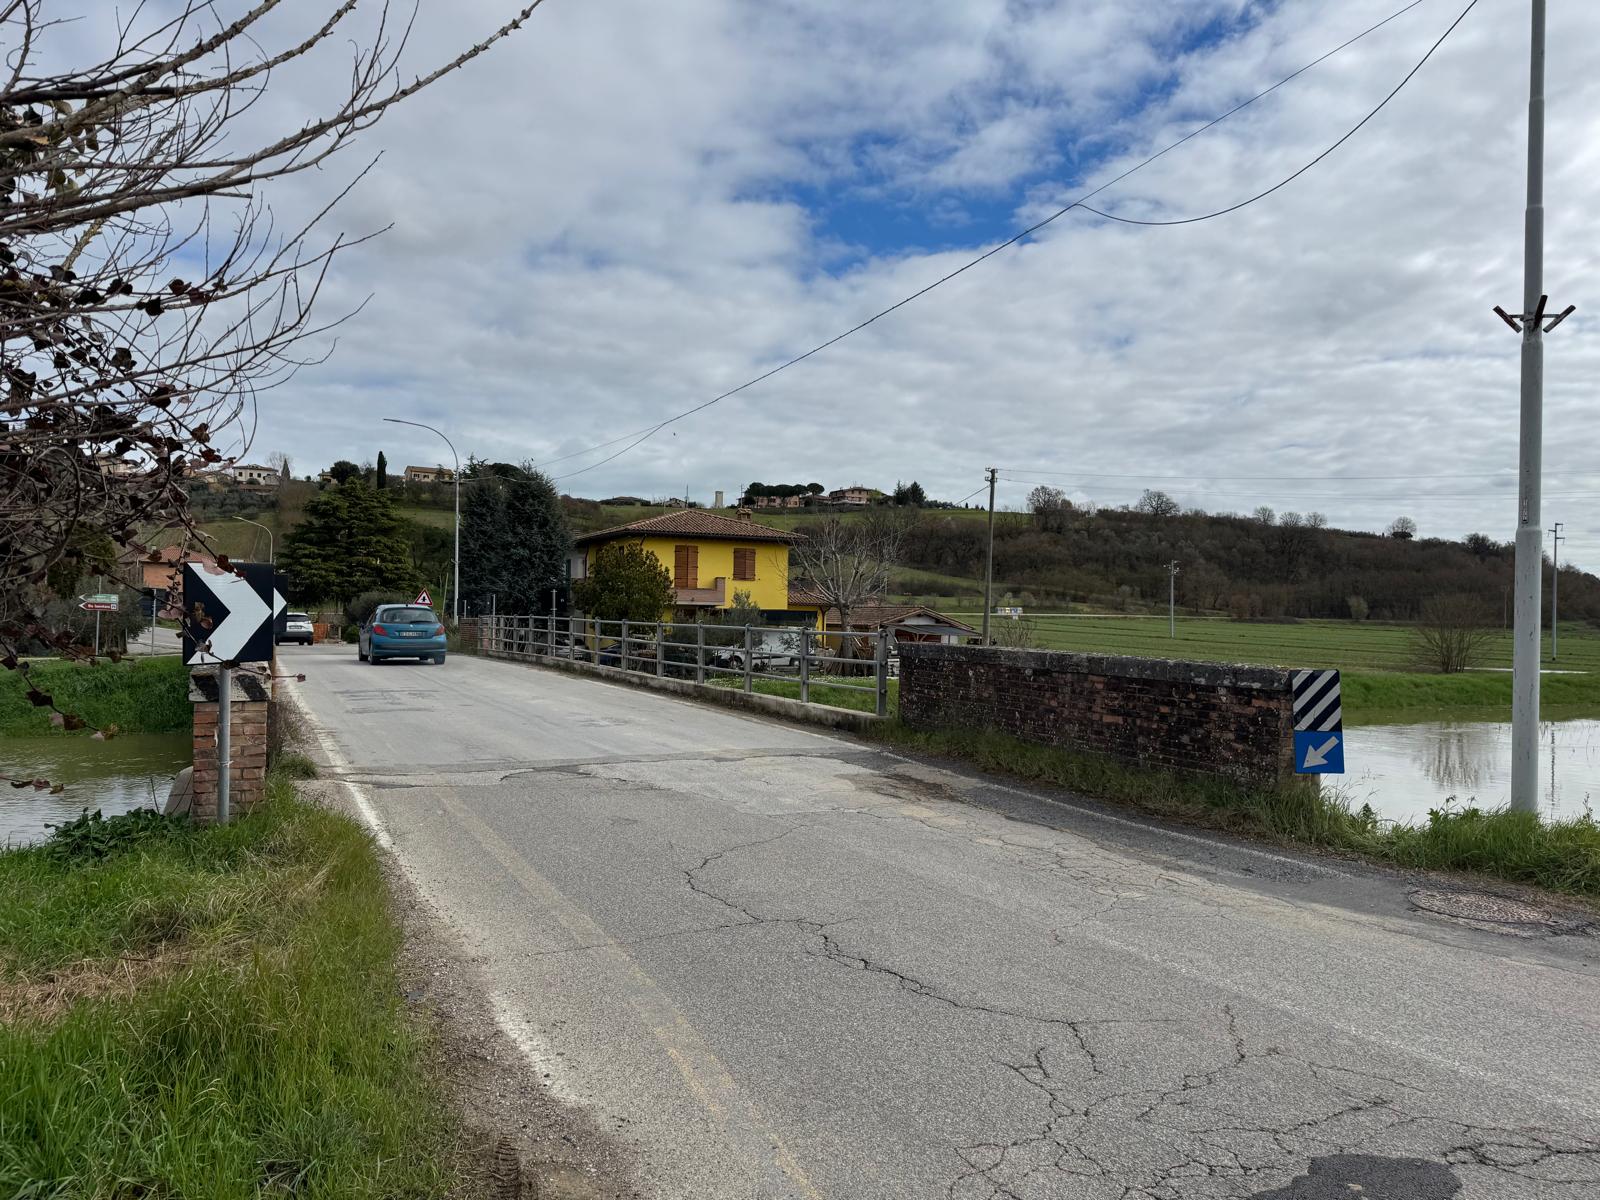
[(686, 566), (744, 564)]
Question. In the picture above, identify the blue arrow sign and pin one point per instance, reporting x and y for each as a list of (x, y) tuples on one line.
[(1318, 753)]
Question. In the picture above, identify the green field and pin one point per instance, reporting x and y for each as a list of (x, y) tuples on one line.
[(1382, 681)]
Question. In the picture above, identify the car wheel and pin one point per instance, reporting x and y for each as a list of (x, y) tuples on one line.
[(439, 659)]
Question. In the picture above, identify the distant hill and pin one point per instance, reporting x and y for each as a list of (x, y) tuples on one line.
[(1238, 565)]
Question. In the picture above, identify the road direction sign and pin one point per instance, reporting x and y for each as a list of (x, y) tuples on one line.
[(424, 598), (241, 608), (1318, 753), (95, 604), (1318, 723)]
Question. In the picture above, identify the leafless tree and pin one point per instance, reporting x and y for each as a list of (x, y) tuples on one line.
[(1157, 504), (1265, 515), (1316, 520), (146, 296), (1050, 508), (1014, 633), (280, 462), (1452, 635), (1403, 528), (846, 560)]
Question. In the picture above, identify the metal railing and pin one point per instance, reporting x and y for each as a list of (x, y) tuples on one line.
[(703, 652)]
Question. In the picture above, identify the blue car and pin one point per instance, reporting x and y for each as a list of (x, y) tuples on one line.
[(401, 631)]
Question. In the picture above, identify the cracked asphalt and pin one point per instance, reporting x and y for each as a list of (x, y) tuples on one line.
[(779, 963)]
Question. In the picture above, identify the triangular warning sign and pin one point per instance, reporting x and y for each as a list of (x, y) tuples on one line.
[(424, 598)]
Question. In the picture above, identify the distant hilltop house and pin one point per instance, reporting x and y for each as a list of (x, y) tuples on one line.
[(429, 475), (856, 496), (254, 475), (781, 501)]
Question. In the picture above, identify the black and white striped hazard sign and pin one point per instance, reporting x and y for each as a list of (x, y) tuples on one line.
[(1316, 701)]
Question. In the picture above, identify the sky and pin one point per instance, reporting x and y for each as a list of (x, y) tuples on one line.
[(631, 207)]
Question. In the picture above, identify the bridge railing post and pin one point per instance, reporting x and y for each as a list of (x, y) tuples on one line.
[(749, 657), (699, 652), (883, 672), (805, 666)]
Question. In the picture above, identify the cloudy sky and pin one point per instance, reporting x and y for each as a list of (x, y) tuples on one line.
[(632, 206)]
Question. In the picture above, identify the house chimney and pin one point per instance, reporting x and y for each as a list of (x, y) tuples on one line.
[(717, 503)]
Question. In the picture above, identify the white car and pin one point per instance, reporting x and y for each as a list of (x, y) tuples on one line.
[(297, 628)]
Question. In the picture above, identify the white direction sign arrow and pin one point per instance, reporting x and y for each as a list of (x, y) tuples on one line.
[(246, 614), (1317, 756)]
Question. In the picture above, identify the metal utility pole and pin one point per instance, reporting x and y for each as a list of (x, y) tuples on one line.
[(988, 569), (1555, 588), (1172, 599), (1530, 323), (224, 741), (455, 599)]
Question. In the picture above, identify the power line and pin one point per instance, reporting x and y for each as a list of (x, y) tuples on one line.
[(1286, 181), (643, 435)]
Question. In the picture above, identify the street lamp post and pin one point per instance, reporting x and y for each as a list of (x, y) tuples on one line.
[(271, 542), (456, 602)]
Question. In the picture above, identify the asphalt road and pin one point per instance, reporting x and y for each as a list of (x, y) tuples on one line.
[(785, 964)]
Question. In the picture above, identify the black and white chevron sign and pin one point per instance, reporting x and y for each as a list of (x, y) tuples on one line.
[(1316, 701), (241, 609)]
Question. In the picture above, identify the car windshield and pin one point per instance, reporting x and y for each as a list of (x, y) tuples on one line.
[(406, 616), (298, 617)]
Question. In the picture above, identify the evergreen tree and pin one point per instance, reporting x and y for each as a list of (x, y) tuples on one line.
[(383, 471), (351, 541), (626, 583), (514, 538)]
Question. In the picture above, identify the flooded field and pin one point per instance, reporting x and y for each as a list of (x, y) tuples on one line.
[(1404, 770), (130, 771)]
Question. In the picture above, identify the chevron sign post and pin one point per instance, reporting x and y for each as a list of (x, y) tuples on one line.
[(1318, 724), (241, 610)]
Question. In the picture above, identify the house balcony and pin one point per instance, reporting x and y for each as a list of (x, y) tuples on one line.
[(714, 596)]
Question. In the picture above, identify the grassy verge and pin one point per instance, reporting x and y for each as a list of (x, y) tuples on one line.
[(209, 1013), (821, 693), (143, 695), (1389, 696), (1562, 856)]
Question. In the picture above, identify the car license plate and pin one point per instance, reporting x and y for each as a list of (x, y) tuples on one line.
[(409, 633)]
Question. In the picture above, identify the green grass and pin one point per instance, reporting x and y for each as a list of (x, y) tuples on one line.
[(145, 695), (234, 1025), (1376, 659), (821, 693), (1562, 856)]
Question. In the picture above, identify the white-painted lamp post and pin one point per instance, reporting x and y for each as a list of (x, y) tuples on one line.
[(271, 553), (456, 601)]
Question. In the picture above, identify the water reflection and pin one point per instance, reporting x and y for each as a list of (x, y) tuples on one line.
[(133, 770), (1404, 770)]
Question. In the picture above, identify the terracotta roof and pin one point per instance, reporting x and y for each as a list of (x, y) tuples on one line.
[(691, 522), (873, 615), (804, 598)]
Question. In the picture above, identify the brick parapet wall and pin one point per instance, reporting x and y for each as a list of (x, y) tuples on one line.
[(1214, 718), (247, 733)]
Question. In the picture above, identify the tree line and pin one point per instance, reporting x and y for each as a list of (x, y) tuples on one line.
[(1290, 567)]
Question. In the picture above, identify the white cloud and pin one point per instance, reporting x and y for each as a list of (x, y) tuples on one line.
[(594, 228)]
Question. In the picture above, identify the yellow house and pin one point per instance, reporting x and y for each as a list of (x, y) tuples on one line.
[(712, 559)]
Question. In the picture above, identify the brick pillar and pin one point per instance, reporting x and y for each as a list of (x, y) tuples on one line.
[(248, 734)]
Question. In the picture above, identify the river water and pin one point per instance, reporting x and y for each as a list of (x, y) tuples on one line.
[(1404, 770), (132, 770)]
